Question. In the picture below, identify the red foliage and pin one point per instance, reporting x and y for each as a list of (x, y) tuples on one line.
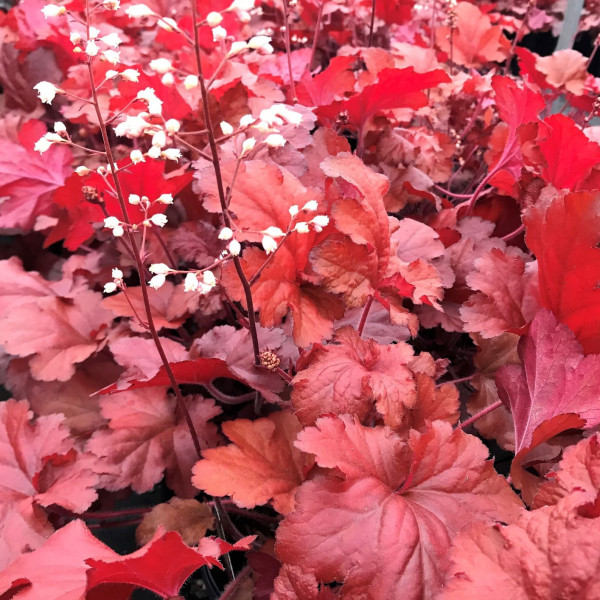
[(386, 524), (271, 255)]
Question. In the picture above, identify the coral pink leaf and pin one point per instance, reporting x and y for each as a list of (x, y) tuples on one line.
[(506, 298), (27, 179), (40, 467), (555, 381), (147, 435), (579, 469), (56, 571), (332, 84), (261, 463), (552, 552), (354, 376), (382, 521)]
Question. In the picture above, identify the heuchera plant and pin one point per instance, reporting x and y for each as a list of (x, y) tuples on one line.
[(289, 263)]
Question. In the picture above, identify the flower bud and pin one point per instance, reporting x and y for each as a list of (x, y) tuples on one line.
[(159, 269)]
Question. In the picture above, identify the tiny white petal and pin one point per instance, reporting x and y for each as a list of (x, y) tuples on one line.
[(274, 232), (117, 274), (168, 79), (168, 24), (219, 33), (112, 56), (234, 247), (134, 199), (112, 39), (110, 287), (302, 227), (226, 128), (161, 65), (172, 126), (46, 91), (165, 199), (154, 152), (130, 75), (118, 231), (190, 283), (190, 82), (225, 234), (111, 222), (321, 220), (244, 5), (157, 281), (82, 171), (269, 244), (236, 48), (52, 10), (159, 220), (138, 11), (248, 145), (159, 139), (311, 205), (91, 48), (275, 140), (294, 210), (172, 153), (258, 41), (159, 269), (209, 278), (213, 19), (136, 156)]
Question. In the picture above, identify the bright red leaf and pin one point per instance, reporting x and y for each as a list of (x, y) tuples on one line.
[(162, 566), (395, 88), (384, 526), (76, 220), (568, 152), (563, 233)]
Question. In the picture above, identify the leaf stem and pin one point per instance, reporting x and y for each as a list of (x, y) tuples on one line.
[(288, 50), (365, 314), (481, 413), (138, 261), (372, 25), (313, 49), (218, 175)]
